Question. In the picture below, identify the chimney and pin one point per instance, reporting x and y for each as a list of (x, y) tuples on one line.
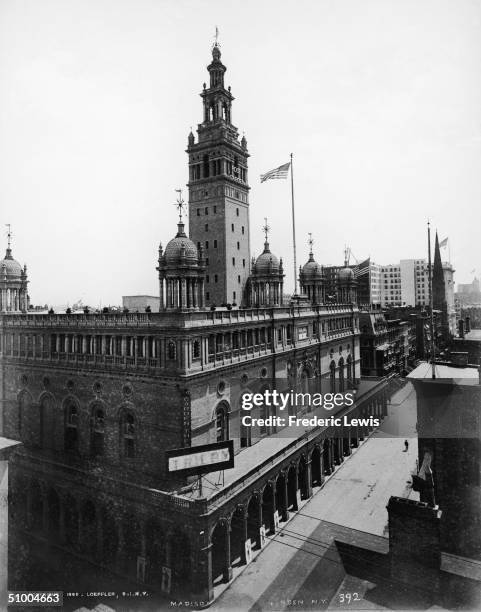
[(461, 328), (415, 543)]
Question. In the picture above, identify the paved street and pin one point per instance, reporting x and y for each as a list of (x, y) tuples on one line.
[(301, 564)]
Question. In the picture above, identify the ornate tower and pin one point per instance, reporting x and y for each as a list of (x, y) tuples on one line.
[(219, 192)]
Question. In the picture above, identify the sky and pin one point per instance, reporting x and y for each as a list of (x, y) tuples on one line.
[(378, 100)]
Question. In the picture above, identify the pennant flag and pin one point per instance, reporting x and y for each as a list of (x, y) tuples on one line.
[(277, 173), (443, 243)]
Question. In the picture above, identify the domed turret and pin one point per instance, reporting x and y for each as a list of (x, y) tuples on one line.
[(181, 249), (267, 262), (10, 266), (13, 283), (266, 279), (181, 271), (346, 275), (311, 278), (346, 286)]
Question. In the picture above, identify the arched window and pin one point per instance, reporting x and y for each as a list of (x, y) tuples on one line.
[(71, 428), (171, 352), (128, 435), (222, 423), (332, 376), (98, 432)]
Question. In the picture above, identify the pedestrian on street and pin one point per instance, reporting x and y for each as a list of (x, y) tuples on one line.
[(406, 446)]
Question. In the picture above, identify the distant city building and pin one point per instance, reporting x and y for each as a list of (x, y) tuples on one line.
[(387, 345), (138, 303), (468, 294)]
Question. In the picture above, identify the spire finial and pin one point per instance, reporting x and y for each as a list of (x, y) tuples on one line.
[(310, 242), (216, 37), (347, 252), (9, 240), (180, 204), (266, 228)]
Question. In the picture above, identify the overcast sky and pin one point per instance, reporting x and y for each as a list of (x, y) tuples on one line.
[(379, 100)]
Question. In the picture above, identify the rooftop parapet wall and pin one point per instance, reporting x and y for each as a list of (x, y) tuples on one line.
[(172, 319)]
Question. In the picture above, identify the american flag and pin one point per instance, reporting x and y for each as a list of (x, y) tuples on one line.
[(362, 268), (443, 243), (277, 173)]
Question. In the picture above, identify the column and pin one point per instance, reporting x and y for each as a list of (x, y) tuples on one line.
[(284, 510), (308, 491), (182, 293), (202, 588), (244, 536), (295, 506), (161, 293), (227, 573)]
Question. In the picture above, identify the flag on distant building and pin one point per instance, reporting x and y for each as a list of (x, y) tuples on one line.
[(277, 173), (362, 268), (443, 243)]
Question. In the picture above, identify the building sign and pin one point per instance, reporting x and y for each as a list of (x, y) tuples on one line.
[(302, 333), (197, 460)]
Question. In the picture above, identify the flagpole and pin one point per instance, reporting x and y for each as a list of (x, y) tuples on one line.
[(431, 314), (293, 227)]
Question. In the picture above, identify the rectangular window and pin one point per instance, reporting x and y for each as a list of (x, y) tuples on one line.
[(233, 261), (215, 244), (233, 295), (207, 278), (207, 295), (215, 278), (238, 246), (242, 229), (206, 245), (198, 212), (237, 211), (232, 227), (238, 279), (243, 263), (206, 211), (215, 209), (206, 227)]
